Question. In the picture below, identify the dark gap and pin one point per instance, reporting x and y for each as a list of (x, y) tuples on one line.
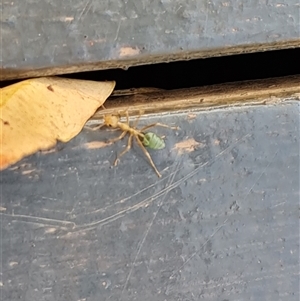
[(200, 72)]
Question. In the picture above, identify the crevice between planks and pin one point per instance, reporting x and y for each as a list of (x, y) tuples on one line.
[(139, 60)]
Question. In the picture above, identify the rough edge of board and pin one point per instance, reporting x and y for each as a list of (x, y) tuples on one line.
[(267, 91)]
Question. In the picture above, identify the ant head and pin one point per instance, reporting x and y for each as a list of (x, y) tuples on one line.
[(111, 120)]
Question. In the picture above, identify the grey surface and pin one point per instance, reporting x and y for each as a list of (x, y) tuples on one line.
[(105, 34), (222, 223)]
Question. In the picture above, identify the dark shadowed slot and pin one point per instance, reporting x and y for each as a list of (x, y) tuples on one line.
[(200, 72)]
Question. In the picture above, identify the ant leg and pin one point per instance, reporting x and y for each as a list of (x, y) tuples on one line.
[(122, 112), (136, 121), (98, 127), (148, 156), (112, 130), (118, 138), (159, 124), (124, 151), (127, 117)]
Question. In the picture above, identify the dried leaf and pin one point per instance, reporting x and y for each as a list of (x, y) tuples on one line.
[(35, 113)]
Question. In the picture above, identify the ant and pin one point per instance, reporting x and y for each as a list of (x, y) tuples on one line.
[(113, 121)]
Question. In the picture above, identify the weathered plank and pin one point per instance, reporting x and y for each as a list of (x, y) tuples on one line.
[(222, 223), (254, 92), (55, 37)]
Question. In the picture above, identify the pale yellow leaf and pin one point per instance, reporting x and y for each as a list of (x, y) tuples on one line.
[(35, 113)]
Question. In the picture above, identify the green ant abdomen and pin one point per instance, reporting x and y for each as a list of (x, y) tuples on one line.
[(153, 141)]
